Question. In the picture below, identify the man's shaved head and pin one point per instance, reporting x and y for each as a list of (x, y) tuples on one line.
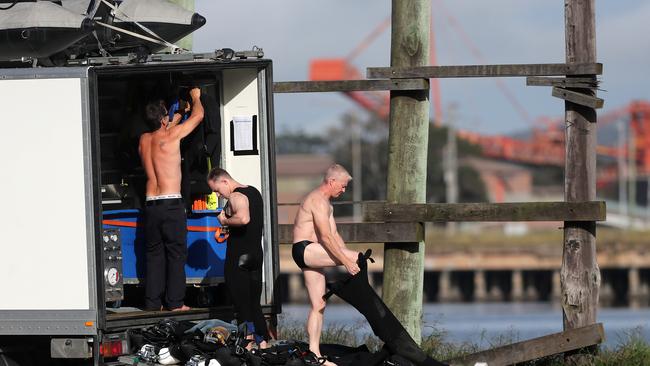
[(336, 171)]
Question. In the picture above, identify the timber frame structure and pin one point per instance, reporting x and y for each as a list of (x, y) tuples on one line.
[(575, 82)]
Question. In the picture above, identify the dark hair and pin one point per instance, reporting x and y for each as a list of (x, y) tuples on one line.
[(217, 173), (154, 113)]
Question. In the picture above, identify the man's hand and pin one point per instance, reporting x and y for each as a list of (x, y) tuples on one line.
[(221, 217), (352, 267), (195, 117), (195, 93)]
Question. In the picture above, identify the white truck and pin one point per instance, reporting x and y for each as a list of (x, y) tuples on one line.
[(71, 253)]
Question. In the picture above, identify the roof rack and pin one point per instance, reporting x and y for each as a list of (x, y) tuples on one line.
[(224, 54)]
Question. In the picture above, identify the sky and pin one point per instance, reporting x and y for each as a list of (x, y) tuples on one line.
[(293, 32)]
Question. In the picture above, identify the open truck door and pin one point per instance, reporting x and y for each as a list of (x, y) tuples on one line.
[(49, 272), (72, 259)]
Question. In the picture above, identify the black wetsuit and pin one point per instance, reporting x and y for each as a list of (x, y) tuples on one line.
[(243, 266)]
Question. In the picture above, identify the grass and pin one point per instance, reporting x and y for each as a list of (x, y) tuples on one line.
[(631, 349)]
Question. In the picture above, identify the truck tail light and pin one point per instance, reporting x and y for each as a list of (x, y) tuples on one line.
[(113, 348)]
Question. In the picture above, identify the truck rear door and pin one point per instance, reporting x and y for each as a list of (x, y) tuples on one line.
[(47, 216)]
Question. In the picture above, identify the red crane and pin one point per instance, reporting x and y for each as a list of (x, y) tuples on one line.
[(377, 103), (342, 69), (545, 146)]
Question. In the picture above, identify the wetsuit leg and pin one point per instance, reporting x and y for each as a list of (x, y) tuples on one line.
[(231, 276), (244, 282), (155, 259), (357, 292), (256, 309), (175, 237)]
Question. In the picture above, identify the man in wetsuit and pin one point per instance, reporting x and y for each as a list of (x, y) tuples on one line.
[(165, 218), (317, 244), (244, 217)]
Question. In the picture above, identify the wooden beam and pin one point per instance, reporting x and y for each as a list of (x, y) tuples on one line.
[(349, 85), (472, 71), (574, 82), (578, 98), (365, 232), (520, 211), (537, 348)]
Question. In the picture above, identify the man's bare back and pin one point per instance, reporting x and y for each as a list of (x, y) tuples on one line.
[(161, 158), (160, 150)]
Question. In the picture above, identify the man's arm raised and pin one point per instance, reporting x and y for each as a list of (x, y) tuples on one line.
[(195, 118), (320, 210), (177, 118)]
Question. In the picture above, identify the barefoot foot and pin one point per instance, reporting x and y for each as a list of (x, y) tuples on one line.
[(182, 308)]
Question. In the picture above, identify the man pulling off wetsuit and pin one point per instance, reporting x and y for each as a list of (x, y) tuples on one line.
[(165, 218), (244, 217), (317, 245)]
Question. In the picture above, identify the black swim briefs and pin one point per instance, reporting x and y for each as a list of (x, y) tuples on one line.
[(298, 253)]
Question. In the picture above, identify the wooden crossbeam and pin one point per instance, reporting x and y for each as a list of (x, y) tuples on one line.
[(472, 71), (349, 85), (368, 232), (578, 98), (571, 82), (533, 349), (520, 211)]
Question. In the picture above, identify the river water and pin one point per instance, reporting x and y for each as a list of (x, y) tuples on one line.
[(487, 323)]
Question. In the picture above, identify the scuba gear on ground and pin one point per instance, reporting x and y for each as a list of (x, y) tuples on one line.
[(148, 353), (217, 335), (205, 325), (165, 357), (212, 343)]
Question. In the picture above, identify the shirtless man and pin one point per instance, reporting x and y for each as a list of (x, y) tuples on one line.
[(165, 217), (317, 244)]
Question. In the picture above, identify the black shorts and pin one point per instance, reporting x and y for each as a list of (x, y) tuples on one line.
[(298, 253)]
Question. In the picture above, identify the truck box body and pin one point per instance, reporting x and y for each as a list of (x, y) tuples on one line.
[(71, 171)]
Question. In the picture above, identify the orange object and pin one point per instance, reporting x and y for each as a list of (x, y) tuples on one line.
[(89, 323), (221, 234)]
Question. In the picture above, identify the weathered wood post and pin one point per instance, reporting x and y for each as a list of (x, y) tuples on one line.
[(580, 276), (407, 161)]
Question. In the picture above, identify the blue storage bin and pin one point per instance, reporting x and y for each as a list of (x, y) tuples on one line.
[(205, 257)]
